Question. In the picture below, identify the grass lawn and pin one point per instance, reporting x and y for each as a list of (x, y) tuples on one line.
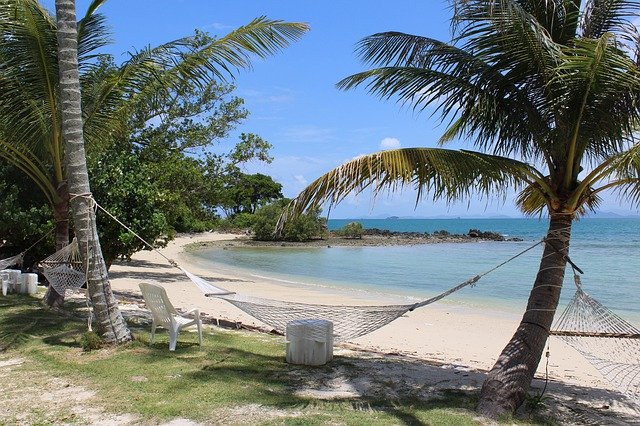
[(236, 377)]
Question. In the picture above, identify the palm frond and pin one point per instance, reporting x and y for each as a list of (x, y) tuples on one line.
[(621, 173), (473, 94), (438, 173), (602, 86), (198, 59), (28, 82), (532, 201), (558, 18), (93, 34), (603, 16)]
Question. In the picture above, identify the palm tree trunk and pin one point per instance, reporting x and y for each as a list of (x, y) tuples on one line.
[(110, 322), (508, 382), (61, 217)]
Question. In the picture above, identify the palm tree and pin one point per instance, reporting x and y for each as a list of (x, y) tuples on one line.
[(30, 123), (110, 321), (549, 94)]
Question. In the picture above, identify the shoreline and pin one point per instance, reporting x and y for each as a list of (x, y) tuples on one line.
[(371, 238), (442, 333)]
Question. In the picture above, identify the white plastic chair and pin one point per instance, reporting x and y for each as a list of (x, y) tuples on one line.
[(165, 315)]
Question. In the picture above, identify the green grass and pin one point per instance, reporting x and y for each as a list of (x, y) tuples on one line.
[(234, 377)]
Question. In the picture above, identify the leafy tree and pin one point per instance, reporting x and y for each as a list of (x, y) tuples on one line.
[(25, 217), (302, 228), (549, 94), (244, 193), (30, 104), (125, 188), (352, 230)]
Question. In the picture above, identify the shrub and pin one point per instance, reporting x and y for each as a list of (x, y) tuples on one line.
[(352, 230), (90, 341), (302, 228)]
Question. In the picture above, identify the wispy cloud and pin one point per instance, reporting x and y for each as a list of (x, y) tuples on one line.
[(300, 179), (390, 143), (218, 26), (278, 95), (308, 133)]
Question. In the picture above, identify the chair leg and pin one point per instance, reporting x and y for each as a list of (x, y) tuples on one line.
[(199, 323), (173, 339), (153, 332)]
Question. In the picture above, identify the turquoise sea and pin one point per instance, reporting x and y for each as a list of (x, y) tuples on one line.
[(607, 250)]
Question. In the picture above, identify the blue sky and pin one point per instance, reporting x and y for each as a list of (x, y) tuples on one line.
[(292, 98)]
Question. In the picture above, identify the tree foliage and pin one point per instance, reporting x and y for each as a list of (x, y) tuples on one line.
[(303, 228), (245, 193), (112, 94), (124, 186), (352, 230), (25, 217)]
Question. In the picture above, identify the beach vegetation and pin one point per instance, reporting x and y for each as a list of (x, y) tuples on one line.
[(25, 217), (245, 193), (548, 95), (234, 375), (304, 227), (351, 230), (31, 122)]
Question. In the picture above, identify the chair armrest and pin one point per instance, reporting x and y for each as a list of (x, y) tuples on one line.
[(195, 312)]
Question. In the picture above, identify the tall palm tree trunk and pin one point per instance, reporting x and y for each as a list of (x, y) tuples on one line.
[(508, 382), (110, 322), (61, 218)]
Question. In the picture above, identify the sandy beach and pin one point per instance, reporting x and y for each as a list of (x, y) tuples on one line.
[(444, 333)]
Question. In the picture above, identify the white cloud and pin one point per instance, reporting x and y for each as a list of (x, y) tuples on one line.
[(389, 143), (300, 179), (275, 95), (309, 133), (217, 26)]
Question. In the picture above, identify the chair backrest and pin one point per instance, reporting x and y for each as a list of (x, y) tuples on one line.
[(155, 296)]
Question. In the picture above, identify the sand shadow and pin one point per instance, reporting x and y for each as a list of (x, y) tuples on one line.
[(159, 272)]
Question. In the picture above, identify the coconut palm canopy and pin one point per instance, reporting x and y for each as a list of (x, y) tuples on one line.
[(30, 135), (543, 90), (548, 93)]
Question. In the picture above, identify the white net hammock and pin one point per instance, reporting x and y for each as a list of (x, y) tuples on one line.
[(348, 321), (64, 270), (610, 343), (11, 261)]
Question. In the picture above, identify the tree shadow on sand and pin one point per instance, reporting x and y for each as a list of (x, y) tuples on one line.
[(160, 272), (391, 383)]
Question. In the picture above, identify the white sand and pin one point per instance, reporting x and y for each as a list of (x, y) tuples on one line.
[(443, 332)]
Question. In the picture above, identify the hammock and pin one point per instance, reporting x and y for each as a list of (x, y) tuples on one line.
[(10, 261), (349, 322), (607, 341), (64, 270)]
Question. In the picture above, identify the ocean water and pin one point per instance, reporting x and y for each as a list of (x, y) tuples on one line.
[(607, 250)]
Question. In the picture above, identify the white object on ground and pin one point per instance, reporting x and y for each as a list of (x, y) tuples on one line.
[(29, 283), (309, 342), (165, 315)]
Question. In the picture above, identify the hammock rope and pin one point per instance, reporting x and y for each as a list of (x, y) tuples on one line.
[(348, 321), (18, 258), (610, 343)]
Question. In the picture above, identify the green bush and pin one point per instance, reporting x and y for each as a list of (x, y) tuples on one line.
[(90, 341), (352, 230), (303, 228)]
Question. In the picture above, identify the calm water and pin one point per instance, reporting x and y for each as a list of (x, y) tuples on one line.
[(608, 251)]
